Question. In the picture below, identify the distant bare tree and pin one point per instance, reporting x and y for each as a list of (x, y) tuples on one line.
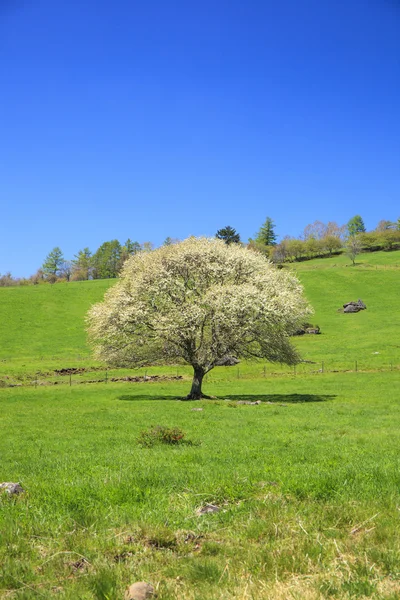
[(316, 230), (353, 248)]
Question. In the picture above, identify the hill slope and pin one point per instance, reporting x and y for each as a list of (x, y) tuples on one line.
[(41, 322), (47, 320)]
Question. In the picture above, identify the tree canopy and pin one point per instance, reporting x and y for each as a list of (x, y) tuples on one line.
[(228, 234), (53, 262), (266, 234), (356, 225), (199, 301)]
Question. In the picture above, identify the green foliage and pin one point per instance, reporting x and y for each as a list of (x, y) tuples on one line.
[(132, 247), (331, 244), (356, 225), (266, 234), (53, 263), (169, 241), (107, 260), (82, 265), (228, 234), (161, 435)]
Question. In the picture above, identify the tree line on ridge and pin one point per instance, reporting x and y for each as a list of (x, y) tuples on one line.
[(317, 240)]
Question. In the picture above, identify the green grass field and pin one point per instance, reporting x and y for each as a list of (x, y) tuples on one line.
[(307, 482)]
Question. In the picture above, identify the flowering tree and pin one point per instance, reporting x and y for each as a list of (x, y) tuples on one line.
[(199, 300)]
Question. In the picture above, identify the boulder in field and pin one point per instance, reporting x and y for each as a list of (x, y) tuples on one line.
[(139, 591), (207, 509), (11, 488), (351, 308), (227, 361), (354, 307)]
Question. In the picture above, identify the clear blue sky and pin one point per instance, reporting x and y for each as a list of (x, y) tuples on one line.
[(170, 118)]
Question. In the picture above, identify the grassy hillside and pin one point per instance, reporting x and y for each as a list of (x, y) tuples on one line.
[(45, 324), (46, 320), (307, 482), (370, 336), (366, 260)]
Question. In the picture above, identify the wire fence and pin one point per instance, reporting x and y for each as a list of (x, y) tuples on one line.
[(73, 376)]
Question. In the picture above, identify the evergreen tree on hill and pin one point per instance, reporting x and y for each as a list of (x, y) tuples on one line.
[(132, 247), (82, 264), (228, 234), (356, 225), (107, 260), (53, 262), (266, 234)]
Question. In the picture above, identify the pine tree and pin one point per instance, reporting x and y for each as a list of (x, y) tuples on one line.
[(266, 234), (356, 225), (228, 234), (82, 264), (132, 247), (107, 260), (53, 262)]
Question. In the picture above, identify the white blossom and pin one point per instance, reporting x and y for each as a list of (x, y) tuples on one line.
[(199, 300)]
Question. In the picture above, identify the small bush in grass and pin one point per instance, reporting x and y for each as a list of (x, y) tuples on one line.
[(161, 435)]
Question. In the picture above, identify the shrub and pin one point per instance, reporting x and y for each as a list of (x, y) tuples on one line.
[(161, 435)]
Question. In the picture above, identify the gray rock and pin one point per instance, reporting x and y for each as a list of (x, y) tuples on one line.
[(249, 402), (361, 304), (207, 509), (227, 361), (197, 409), (11, 488), (351, 308), (139, 591)]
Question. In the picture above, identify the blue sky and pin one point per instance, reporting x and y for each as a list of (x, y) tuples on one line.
[(154, 119)]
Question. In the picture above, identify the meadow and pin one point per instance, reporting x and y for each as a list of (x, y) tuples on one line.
[(307, 483)]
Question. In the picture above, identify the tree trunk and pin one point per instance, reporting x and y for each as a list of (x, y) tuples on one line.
[(195, 392)]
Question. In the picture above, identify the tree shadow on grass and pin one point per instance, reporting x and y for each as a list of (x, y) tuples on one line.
[(280, 398), (141, 397), (263, 398)]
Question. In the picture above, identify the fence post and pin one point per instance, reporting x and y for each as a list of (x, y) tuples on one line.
[(356, 366), (106, 375), (322, 367), (70, 379), (265, 371)]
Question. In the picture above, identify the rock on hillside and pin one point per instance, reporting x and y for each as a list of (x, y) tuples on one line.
[(354, 307)]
